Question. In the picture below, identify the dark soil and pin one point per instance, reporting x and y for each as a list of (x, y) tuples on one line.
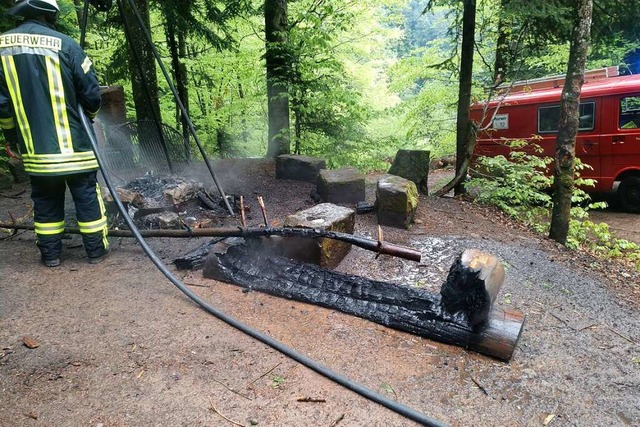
[(117, 345)]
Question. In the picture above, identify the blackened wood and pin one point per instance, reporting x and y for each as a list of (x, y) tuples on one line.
[(194, 259), (365, 207), (472, 285), (400, 307)]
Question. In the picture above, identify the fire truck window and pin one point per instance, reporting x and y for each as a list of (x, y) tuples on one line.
[(549, 117), (629, 112), (587, 113)]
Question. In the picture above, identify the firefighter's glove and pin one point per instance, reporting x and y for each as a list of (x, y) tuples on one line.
[(11, 146), (12, 150)]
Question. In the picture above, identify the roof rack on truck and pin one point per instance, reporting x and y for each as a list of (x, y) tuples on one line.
[(556, 80)]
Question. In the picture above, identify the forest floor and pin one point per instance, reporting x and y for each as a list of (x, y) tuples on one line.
[(115, 344)]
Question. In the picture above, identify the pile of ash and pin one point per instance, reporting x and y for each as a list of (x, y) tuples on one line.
[(168, 202)]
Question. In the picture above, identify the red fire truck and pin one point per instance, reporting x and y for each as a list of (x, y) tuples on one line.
[(609, 131)]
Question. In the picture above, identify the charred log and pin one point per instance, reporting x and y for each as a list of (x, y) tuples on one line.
[(400, 307), (194, 259)]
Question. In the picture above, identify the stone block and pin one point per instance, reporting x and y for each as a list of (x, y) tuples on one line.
[(341, 186), (299, 168), (414, 166), (396, 201), (327, 253)]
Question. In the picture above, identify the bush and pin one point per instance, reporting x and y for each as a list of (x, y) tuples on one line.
[(520, 186)]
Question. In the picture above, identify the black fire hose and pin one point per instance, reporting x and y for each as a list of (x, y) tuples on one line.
[(271, 342)]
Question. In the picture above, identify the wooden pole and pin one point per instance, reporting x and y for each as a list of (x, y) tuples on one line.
[(362, 242)]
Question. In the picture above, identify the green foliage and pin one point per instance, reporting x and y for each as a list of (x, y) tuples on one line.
[(516, 185), (277, 381), (519, 186)]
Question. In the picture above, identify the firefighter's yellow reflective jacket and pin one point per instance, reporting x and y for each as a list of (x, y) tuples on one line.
[(44, 76)]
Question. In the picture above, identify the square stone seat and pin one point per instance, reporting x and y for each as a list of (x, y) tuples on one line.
[(299, 168), (341, 186), (396, 201), (327, 253)]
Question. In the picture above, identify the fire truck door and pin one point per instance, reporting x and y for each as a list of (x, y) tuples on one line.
[(625, 143), (588, 139)]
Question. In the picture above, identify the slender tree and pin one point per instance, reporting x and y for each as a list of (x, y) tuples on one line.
[(463, 126), (275, 16), (569, 122), (465, 129), (142, 65)]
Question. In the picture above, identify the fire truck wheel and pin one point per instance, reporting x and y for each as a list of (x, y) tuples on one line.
[(629, 194)]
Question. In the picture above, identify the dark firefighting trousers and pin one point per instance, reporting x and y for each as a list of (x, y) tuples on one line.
[(48, 193)]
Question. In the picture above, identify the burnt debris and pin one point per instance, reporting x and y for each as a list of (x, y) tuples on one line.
[(492, 332), (168, 202)]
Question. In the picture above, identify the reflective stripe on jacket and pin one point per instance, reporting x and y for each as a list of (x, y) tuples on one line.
[(43, 76)]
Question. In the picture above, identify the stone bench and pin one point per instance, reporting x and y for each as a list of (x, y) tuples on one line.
[(341, 186), (327, 253), (299, 168), (396, 201), (414, 166)]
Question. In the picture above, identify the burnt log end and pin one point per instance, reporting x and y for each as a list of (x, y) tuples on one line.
[(473, 282)]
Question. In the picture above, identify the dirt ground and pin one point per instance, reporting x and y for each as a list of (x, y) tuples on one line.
[(119, 345)]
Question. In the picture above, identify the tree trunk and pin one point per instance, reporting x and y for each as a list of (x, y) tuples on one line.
[(275, 17), (142, 65), (568, 126), (176, 44), (464, 94), (79, 4), (502, 48)]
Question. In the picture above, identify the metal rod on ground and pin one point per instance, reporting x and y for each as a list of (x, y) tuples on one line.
[(181, 106), (362, 242)]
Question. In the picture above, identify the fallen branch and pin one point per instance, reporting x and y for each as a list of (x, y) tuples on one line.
[(214, 409), (232, 390), (311, 400), (362, 242), (337, 421), (266, 373)]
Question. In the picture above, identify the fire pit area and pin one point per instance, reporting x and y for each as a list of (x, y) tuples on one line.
[(278, 261), (168, 202)]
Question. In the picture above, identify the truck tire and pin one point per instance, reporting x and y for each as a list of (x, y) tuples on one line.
[(628, 195)]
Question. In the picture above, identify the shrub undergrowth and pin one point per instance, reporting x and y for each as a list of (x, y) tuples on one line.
[(520, 186)]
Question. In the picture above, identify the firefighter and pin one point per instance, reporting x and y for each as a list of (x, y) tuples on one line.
[(44, 78)]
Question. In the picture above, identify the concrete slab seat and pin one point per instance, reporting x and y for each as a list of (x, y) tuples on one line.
[(327, 253), (299, 168), (414, 166), (341, 186), (396, 201)]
